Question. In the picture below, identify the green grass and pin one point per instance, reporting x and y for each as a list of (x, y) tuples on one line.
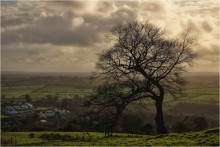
[(203, 91), (40, 91), (16, 91), (40, 95), (4, 116), (196, 95), (65, 89), (207, 98), (42, 108), (207, 138), (10, 93)]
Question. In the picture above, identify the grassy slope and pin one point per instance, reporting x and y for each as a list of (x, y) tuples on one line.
[(207, 137)]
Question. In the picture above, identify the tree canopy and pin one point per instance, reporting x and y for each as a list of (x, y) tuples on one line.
[(143, 63)]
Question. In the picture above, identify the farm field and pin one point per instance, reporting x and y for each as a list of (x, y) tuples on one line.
[(193, 94), (40, 91), (204, 88), (47, 95), (39, 88), (208, 90), (208, 138), (16, 91)]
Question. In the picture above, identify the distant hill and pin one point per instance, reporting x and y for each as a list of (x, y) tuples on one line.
[(69, 74), (85, 74), (202, 74)]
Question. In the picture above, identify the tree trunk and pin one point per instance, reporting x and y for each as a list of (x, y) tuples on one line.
[(113, 124), (161, 129)]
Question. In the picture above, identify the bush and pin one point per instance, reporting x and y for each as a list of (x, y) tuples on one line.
[(65, 137), (31, 135), (148, 129), (190, 124), (8, 141)]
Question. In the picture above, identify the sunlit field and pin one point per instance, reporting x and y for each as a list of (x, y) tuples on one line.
[(203, 138)]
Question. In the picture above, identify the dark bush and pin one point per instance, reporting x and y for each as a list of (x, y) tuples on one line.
[(148, 129), (65, 137), (132, 122), (8, 141), (31, 135), (190, 124)]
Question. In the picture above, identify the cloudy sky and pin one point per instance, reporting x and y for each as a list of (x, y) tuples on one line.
[(65, 36)]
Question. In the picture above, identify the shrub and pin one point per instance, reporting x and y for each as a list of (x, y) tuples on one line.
[(8, 141), (190, 124), (65, 137), (148, 129), (31, 135)]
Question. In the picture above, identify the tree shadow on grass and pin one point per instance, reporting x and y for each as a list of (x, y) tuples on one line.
[(42, 143)]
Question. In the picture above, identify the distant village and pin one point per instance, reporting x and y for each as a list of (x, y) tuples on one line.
[(17, 106), (20, 106)]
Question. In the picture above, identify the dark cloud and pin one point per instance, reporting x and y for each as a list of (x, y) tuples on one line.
[(121, 15), (94, 18), (62, 30), (105, 7), (54, 30), (46, 57), (68, 4), (68, 14), (206, 26), (6, 22), (8, 3)]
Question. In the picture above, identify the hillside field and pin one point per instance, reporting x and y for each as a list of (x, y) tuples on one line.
[(40, 91), (201, 99), (205, 94), (206, 138)]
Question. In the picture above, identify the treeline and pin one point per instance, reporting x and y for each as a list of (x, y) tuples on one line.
[(78, 82)]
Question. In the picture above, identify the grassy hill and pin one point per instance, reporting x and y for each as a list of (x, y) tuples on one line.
[(207, 138)]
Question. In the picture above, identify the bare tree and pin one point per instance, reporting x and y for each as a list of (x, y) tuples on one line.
[(111, 100), (143, 63)]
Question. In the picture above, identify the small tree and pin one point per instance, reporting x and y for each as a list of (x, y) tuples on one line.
[(109, 100), (28, 98), (143, 63)]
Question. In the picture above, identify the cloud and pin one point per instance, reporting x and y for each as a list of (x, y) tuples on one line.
[(105, 7), (206, 26), (68, 4), (55, 34), (55, 30), (47, 57), (212, 54), (155, 7), (65, 28)]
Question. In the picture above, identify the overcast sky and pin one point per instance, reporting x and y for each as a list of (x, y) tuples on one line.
[(49, 36)]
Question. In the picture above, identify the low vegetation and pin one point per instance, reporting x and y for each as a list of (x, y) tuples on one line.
[(208, 138)]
